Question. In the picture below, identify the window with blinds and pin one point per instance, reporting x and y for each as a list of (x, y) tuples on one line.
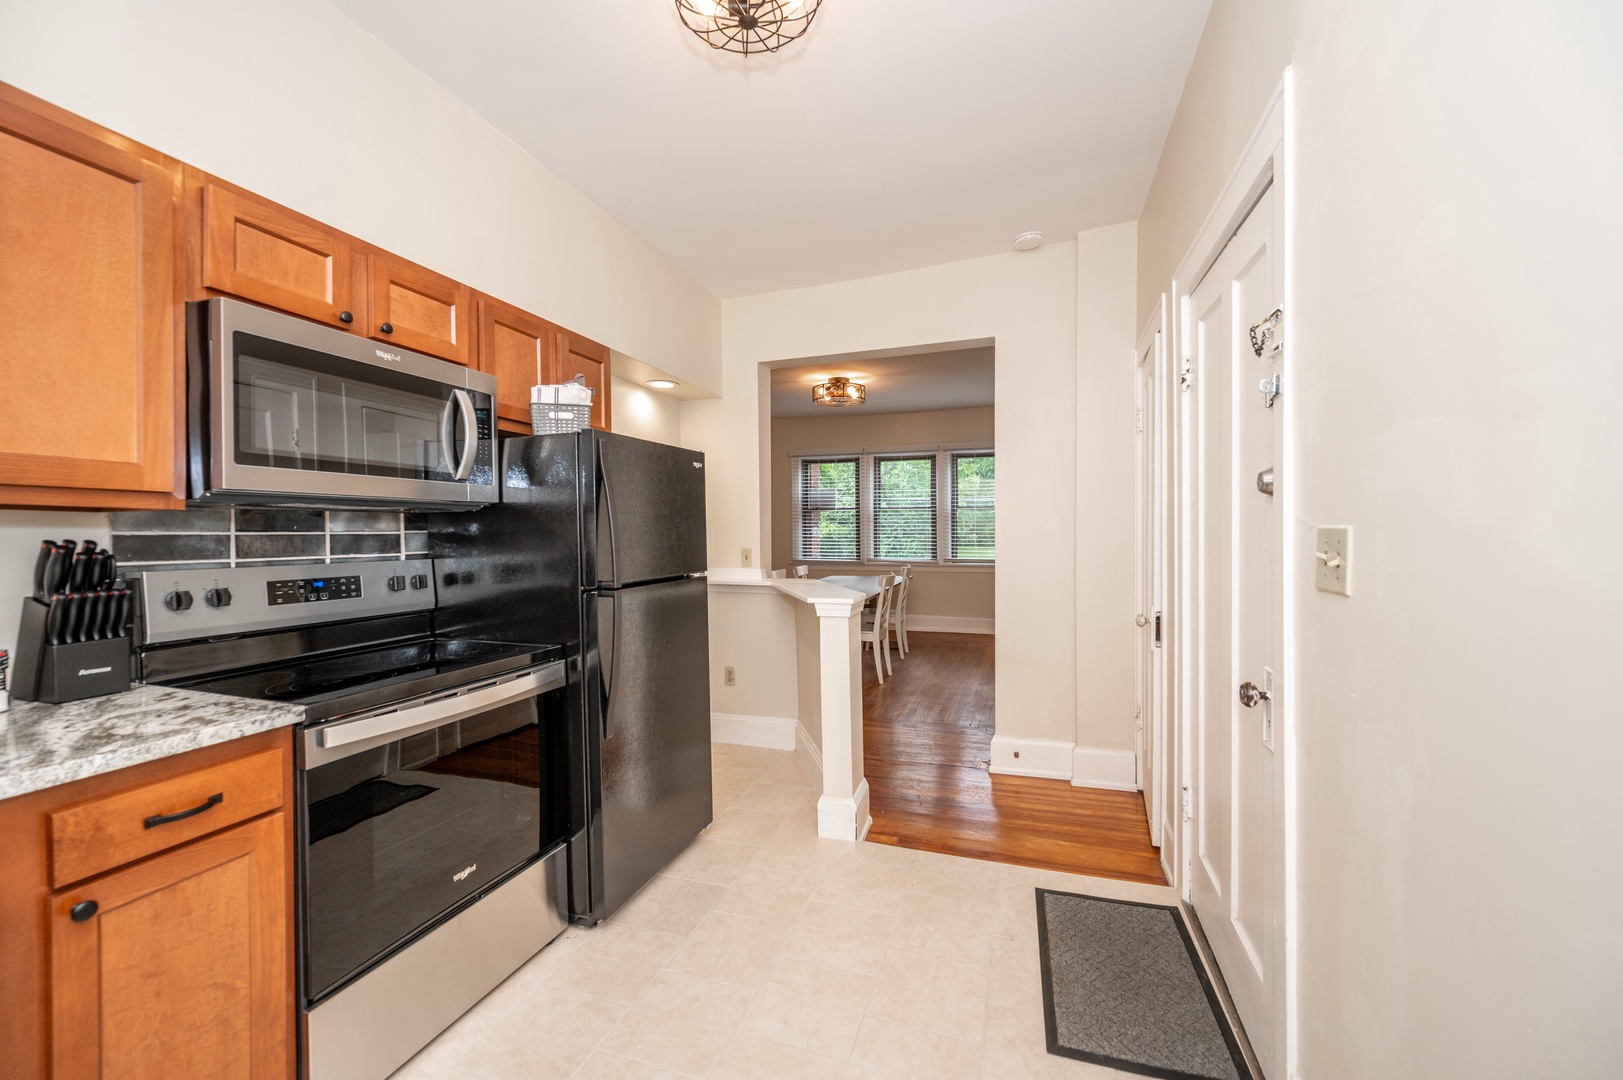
[(974, 506), (915, 506), (904, 507), (827, 509)]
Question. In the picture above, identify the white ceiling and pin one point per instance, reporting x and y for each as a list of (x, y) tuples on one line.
[(895, 134), (958, 378)]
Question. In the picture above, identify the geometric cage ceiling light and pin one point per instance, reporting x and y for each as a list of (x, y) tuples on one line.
[(839, 391), (747, 26)]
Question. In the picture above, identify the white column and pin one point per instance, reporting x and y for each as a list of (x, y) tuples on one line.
[(836, 667)]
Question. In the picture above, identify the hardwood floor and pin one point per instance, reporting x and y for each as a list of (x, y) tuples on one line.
[(927, 735)]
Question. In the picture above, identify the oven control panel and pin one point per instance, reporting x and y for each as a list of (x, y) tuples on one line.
[(184, 605), (312, 590)]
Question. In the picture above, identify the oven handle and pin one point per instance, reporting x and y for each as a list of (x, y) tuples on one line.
[(350, 737)]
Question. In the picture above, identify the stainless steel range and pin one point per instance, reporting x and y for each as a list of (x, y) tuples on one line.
[(432, 787)]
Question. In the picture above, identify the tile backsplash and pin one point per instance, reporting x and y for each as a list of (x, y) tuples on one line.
[(221, 536)]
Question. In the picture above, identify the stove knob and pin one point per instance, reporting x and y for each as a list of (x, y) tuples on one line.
[(217, 598), (397, 583), (179, 600), (419, 581)]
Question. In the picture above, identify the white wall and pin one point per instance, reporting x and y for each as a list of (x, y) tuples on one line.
[(752, 630), (293, 100), (1106, 602), (1453, 397), (643, 413), (1026, 303)]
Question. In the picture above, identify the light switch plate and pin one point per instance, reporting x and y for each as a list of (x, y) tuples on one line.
[(1333, 555)]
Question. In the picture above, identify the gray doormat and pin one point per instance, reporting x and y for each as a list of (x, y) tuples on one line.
[(1123, 986)]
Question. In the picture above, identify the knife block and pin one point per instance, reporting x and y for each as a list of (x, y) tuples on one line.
[(59, 673)]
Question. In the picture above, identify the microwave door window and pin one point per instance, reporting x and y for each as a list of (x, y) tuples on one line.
[(276, 422), (400, 436)]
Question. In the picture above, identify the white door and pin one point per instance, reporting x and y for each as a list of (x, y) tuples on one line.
[(1151, 554), (1236, 776)]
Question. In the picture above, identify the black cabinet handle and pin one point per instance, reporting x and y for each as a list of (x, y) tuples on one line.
[(163, 819), (345, 317), (387, 328), (81, 911)]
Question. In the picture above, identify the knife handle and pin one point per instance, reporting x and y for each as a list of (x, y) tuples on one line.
[(79, 572), (41, 561), (77, 602), (54, 619), (56, 570)]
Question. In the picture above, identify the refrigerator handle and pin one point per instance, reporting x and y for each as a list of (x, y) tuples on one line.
[(608, 511), (608, 643)]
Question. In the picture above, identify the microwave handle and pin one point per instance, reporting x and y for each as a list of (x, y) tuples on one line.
[(470, 424)]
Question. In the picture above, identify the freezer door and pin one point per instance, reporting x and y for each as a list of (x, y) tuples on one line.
[(649, 519), (652, 726)]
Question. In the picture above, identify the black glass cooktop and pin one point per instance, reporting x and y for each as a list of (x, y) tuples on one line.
[(368, 678)]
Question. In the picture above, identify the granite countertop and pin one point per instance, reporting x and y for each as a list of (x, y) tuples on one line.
[(44, 745)]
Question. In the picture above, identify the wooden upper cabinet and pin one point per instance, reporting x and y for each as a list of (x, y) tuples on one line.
[(255, 249), (516, 347), (90, 354), (417, 309), (177, 965), (582, 356)]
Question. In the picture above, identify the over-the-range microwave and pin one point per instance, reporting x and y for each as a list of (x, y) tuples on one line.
[(284, 412)]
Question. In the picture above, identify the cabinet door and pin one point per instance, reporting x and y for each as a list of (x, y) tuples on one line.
[(181, 967), (259, 251), (89, 350), (516, 347), (417, 309), (582, 356)]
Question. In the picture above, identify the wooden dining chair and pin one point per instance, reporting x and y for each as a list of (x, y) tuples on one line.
[(898, 609), (876, 627), (803, 571)]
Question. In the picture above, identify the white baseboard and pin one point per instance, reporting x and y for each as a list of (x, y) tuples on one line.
[(844, 819), (1048, 758), (948, 624), (1116, 770), (771, 732), (811, 758)]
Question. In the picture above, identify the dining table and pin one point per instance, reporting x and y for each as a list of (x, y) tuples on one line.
[(866, 584)]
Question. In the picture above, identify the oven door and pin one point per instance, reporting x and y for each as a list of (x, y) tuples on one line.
[(408, 814), (305, 412)]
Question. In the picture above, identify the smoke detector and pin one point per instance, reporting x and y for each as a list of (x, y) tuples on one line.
[(1028, 241)]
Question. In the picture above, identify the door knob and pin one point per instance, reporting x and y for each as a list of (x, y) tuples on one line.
[(1141, 620), (1251, 694)]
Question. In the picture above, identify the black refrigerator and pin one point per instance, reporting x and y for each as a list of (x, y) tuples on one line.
[(598, 543)]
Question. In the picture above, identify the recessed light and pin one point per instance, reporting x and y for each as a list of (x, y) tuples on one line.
[(661, 384), (1027, 241)]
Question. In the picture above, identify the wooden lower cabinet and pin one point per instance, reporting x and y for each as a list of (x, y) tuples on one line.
[(176, 966), (170, 957)]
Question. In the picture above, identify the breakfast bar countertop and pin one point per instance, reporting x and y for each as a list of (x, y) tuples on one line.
[(44, 745)]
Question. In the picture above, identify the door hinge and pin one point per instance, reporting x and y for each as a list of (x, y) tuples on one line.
[(1186, 814), (1138, 420), (1186, 374)]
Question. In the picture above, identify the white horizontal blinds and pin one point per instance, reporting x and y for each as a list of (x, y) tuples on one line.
[(904, 507), (827, 508), (974, 505)]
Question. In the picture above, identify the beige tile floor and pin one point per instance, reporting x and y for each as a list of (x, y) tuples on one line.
[(766, 952)]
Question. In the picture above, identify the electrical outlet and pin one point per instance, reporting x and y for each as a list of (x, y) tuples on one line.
[(745, 557), (729, 676), (1333, 554)]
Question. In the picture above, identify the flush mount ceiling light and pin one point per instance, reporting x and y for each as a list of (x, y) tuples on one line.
[(747, 26), (1028, 241), (839, 391), (661, 384)]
